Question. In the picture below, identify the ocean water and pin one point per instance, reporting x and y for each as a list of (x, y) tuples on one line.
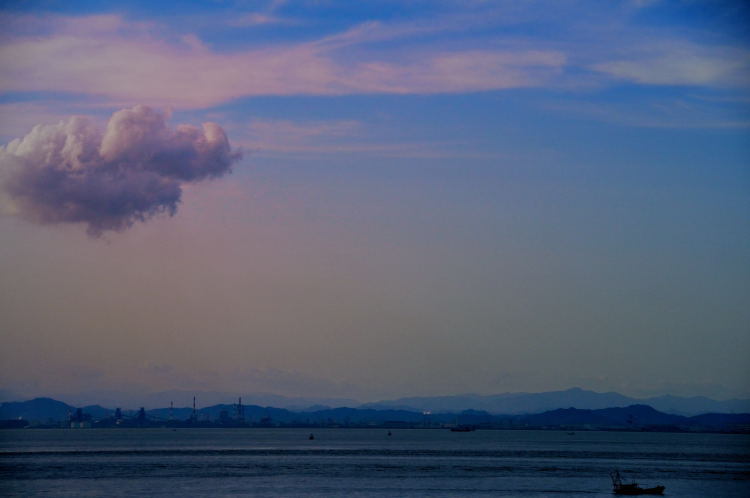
[(365, 463)]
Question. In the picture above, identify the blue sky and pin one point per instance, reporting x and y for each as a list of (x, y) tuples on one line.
[(500, 195)]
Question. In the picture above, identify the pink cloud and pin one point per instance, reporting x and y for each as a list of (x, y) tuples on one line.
[(134, 169), (141, 68)]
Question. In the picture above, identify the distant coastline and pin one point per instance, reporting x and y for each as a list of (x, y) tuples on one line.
[(51, 413)]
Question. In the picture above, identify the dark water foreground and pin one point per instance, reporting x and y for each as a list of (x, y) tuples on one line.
[(364, 462)]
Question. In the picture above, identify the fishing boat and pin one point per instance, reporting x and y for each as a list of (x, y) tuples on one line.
[(621, 488)]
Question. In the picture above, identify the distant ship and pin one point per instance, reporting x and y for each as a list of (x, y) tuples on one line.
[(620, 488), (463, 428)]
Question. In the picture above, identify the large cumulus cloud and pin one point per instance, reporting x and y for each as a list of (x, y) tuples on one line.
[(72, 172)]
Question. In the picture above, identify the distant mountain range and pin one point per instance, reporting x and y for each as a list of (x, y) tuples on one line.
[(497, 404), (203, 398), (529, 403), (46, 410), (635, 417)]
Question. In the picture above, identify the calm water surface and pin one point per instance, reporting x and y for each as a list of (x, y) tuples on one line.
[(365, 462)]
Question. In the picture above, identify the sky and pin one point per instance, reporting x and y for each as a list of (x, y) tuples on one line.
[(375, 199)]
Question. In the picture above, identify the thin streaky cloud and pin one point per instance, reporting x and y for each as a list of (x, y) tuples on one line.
[(666, 115), (425, 150), (130, 63), (280, 138), (255, 19), (682, 64), (152, 71), (292, 130)]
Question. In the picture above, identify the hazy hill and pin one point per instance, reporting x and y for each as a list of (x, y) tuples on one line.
[(527, 403), (183, 398), (719, 421), (97, 411), (634, 417), (254, 414), (507, 403), (39, 410), (510, 403), (45, 410), (625, 417), (696, 405)]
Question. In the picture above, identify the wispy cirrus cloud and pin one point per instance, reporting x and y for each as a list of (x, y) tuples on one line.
[(263, 17), (124, 62), (260, 19), (186, 73), (681, 63), (312, 139), (41, 25), (669, 113), (293, 131)]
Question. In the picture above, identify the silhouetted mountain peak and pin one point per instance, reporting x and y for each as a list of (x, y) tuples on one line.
[(529, 403)]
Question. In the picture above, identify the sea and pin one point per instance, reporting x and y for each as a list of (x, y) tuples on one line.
[(268, 462)]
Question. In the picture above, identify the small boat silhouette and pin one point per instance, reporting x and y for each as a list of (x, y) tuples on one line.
[(463, 428), (620, 488)]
